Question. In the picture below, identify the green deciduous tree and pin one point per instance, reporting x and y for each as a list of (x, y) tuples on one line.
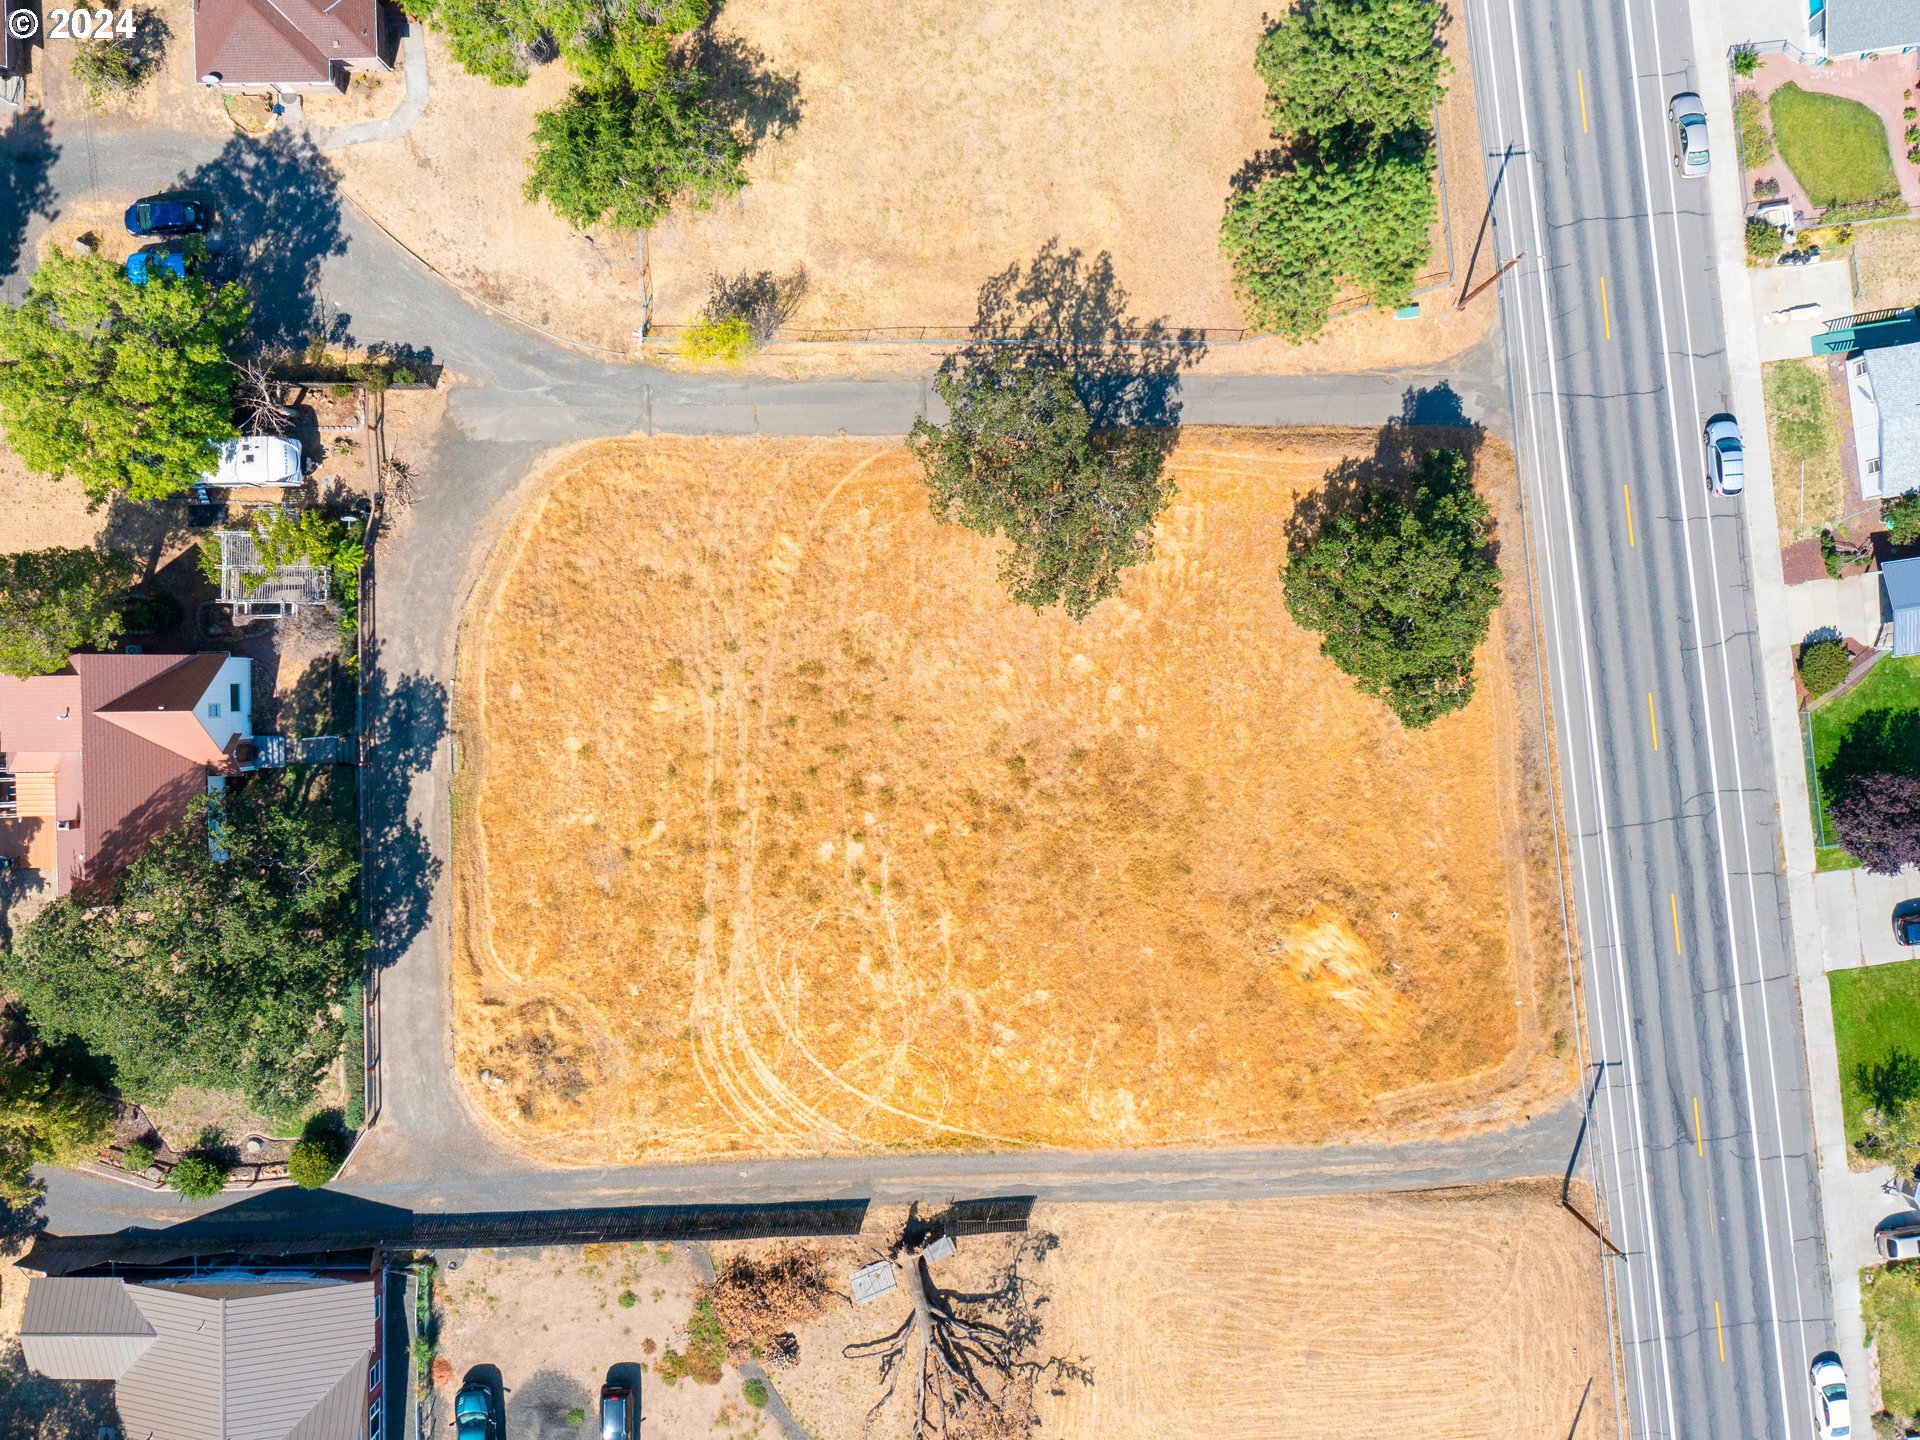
[(45, 1119), (1294, 236), (1374, 64), (602, 39), (190, 971), (1349, 199), (120, 385), (1902, 518), (1018, 459), (54, 602), (1400, 587), (624, 155)]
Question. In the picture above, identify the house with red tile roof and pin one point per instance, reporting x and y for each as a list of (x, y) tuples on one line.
[(98, 759), (287, 44)]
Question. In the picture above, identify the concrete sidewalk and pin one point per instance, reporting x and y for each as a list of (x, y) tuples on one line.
[(1837, 919)]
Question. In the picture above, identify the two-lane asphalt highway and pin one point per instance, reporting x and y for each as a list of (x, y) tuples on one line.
[(1702, 1134)]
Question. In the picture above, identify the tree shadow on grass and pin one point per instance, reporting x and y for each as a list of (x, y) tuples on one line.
[(1887, 1083), (27, 153), (757, 102), (1065, 310), (1878, 742), (764, 300), (278, 200)]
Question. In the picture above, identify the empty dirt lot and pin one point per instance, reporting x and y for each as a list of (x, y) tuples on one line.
[(933, 144), (1450, 1315), (781, 829)]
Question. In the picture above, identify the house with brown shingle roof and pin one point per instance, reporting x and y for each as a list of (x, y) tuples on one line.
[(218, 1354), (287, 44), (101, 757)]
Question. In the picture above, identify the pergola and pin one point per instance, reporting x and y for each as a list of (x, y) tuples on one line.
[(255, 592)]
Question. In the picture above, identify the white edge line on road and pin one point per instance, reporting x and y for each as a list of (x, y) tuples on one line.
[(1508, 302), (1706, 700), (1616, 936)]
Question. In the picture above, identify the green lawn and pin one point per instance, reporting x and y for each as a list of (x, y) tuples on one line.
[(1876, 1028), (1890, 1304), (1874, 727), (1836, 148)]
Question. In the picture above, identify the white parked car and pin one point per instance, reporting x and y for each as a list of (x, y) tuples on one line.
[(1831, 1417), (256, 460), (1726, 457)]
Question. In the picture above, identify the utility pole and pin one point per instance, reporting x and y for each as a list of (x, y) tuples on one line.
[(1461, 303)]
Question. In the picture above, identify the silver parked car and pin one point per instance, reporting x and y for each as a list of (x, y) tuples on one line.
[(1689, 119), (1726, 457), (1898, 1241)]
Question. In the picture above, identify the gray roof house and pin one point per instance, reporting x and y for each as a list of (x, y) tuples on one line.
[(1883, 394), (225, 1355), (1902, 581), (1845, 28)]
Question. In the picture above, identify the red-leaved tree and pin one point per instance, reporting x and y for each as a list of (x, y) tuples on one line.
[(1878, 819)]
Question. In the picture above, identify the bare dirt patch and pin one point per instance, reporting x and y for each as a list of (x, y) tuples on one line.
[(554, 1321), (1458, 1314), (782, 829), (937, 144), (1888, 255)]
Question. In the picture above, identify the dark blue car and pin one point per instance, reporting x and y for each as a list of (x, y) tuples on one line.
[(163, 260), (167, 215)]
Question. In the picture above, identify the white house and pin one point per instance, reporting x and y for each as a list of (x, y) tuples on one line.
[(1883, 393)]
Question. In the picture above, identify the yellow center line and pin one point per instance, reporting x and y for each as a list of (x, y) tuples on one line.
[(1699, 1145), (1720, 1331), (1628, 496), (1606, 312), (1652, 723), (1581, 77), (1678, 948)]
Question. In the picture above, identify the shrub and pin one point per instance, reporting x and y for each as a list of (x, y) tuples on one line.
[(628, 1299), (198, 1177), (340, 390), (403, 376), (105, 68), (726, 340), (1765, 188), (1764, 241), (1745, 61), (1902, 517), (706, 1349), (353, 1045), (316, 1159), (1750, 124), (754, 1392), (137, 1158), (576, 1416), (1823, 665)]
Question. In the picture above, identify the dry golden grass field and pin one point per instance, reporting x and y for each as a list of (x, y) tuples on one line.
[(1456, 1315), (782, 829), (937, 144)]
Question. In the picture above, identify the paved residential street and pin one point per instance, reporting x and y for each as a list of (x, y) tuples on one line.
[(514, 397), (1703, 1128)]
